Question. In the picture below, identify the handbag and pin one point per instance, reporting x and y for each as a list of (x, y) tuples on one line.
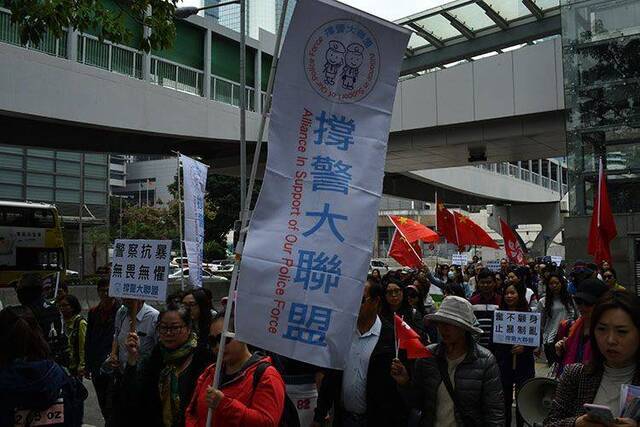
[(467, 421)]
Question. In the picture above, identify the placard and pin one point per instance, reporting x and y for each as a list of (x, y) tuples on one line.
[(516, 327), (140, 269), (493, 265), (459, 259)]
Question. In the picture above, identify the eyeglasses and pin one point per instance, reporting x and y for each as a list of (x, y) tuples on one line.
[(580, 301), (394, 292), (171, 329)]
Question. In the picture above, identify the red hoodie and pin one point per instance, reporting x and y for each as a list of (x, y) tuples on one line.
[(241, 406)]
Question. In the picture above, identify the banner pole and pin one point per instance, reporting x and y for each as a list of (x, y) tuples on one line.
[(180, 206), (55, 292), (244, 214)]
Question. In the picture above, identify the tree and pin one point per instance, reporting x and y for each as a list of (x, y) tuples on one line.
[(35, 18), (151, 223), (98, 237)]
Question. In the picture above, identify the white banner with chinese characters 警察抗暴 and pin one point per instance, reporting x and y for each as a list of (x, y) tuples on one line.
[(310, 238)]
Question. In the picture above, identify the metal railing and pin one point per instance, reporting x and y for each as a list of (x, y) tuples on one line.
[(176, 76), (51, 45), (228, 92), (108, 56)]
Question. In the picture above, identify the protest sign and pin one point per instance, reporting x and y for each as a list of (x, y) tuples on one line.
[(194, 176), (516, 327), (309, 243), (493, 265), (556, 259), (459, 259), (140, 269)]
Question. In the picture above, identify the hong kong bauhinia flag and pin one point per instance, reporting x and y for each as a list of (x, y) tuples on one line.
[(511, 244), (409, 340), (407, 254), (603, 225)]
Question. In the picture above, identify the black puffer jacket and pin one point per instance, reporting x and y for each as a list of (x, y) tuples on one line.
[(477, 383)]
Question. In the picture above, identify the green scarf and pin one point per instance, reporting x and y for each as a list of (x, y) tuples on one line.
[(174, 361)]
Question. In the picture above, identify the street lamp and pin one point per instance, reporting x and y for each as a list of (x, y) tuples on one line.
[(185, 12)]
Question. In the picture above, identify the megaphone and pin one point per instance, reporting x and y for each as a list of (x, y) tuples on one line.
[(534, 400)]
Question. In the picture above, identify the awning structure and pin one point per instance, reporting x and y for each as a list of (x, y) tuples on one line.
[(465, 29)]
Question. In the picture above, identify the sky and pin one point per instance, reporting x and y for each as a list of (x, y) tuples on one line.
[(395, 9)]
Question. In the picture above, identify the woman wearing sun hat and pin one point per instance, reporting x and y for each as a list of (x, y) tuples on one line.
[(460, 384)]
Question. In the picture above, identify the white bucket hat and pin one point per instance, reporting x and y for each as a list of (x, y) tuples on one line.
[(458, 312)]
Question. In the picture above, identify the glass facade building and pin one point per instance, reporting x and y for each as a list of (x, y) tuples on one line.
[(259, 14), (601, 58)]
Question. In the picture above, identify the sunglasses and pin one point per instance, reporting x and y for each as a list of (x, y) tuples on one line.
[(580, 301), (214, 340)]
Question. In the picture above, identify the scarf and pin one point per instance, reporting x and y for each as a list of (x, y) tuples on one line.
[(175, 362), (573, 342)]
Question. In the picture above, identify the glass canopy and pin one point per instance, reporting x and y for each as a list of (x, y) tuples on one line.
[(463, 20)]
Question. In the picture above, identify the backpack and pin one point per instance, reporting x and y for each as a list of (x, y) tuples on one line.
[(290, 413)]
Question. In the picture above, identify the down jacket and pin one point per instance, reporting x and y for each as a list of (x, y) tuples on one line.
[(476, 382)]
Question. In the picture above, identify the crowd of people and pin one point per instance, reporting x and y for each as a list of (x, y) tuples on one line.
[(156, 368)]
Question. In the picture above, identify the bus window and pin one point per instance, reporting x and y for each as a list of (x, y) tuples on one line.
[(36, 259), (25, 217)]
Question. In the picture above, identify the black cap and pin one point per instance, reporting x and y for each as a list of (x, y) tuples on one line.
[(590, 290)]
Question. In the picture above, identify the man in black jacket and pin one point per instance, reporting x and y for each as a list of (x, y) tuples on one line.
[(30, 292), (364, 394)]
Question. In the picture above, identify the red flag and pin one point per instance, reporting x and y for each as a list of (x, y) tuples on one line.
[(409, 340), (511, 244), (407, 254), (470, 233), (603, 226), (412, 230), (447, 224)]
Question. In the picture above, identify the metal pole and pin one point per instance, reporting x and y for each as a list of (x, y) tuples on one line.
[(180, 223), (245, 209), (243, 107), (80, 225), (120, 219)]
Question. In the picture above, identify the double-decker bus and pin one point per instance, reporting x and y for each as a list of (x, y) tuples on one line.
[(30, 241)]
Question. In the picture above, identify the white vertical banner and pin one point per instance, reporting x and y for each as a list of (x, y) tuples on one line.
[(310, 238), (194, 179)]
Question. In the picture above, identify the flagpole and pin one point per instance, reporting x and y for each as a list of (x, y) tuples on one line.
[(600, 175), (405, 239), (455, 226), (437, 209), (395, 336), (244, 214), (180, 206)]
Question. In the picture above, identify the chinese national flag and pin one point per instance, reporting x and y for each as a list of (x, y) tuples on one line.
[(511, 244), (603, 226), (402, 251), (470, 233), (447, 224), (409, 340), (412, 230)]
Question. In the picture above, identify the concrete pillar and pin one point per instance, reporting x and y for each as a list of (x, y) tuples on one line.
[(206, 84), (72, 44), (257, 99), (146, 56)]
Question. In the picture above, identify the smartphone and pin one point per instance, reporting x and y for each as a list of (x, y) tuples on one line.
[(599, 413)]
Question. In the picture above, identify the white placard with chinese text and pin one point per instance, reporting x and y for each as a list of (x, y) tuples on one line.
[(459, 259), (516, 327), (139, 269), (556, 259), (493, 265), (309, 243)]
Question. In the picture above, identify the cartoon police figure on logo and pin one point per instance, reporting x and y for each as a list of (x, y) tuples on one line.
[(357, 66), (335, 59), (353, 61)]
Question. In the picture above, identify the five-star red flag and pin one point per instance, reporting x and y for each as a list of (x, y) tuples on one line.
[(412, 230), (470, 233), (446, 224), (402, 251), (603, 226), (511, 244), (409, 340)]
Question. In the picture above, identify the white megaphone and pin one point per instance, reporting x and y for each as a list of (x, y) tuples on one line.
[(535, 398)]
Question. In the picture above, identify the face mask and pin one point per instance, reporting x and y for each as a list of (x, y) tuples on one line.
[(450, 275)]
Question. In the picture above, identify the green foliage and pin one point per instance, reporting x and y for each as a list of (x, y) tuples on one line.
[(36, 17), (214, 250), (154, 223)]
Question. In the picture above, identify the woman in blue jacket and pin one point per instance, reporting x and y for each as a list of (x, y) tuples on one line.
[(34, 387)]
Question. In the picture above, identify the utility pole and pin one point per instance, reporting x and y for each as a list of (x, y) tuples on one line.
[(80, 225)]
